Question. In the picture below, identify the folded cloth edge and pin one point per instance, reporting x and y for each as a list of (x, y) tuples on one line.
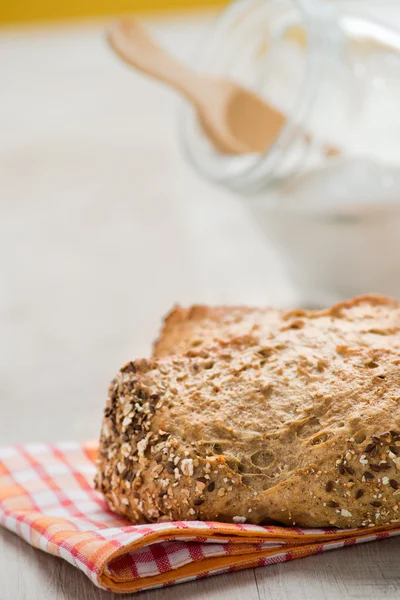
[(303, 545)]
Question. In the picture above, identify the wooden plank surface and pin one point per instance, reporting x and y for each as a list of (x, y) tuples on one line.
[(102, 228)]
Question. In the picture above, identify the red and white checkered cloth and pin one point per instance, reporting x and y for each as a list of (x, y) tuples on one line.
[(47, 498)]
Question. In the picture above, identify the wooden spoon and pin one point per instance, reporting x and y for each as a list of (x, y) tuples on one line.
[(236, 120)]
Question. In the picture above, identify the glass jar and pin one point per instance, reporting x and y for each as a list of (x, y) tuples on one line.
[(327, 191)]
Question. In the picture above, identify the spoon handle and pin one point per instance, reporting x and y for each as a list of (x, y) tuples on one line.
[(133, 43)]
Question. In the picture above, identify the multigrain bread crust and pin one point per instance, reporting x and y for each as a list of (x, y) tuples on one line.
[(299, 424), (199, 326)]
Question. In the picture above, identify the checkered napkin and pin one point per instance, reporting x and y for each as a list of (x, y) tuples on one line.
[(47, 498)]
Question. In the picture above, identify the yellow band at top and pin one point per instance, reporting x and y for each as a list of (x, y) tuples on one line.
[(18, 11)]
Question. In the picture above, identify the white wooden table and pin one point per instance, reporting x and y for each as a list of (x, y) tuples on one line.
[(102, 228)]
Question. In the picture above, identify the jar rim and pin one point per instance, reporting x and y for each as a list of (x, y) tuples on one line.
[(314, 18)]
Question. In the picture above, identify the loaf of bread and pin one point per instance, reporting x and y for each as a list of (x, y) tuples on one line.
[(288, 417)]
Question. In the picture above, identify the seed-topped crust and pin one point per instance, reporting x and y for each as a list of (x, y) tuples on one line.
[(298, 423)]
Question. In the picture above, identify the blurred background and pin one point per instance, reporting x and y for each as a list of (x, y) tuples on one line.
[(103, 224)]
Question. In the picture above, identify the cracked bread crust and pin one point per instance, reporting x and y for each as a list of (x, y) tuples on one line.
[(299, 426), (199, 326)]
